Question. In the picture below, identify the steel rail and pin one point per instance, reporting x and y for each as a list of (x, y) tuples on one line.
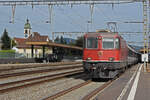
[(38, 71), (32, 81), (101, 88), (96, 91), (61, 93), (26, 66)]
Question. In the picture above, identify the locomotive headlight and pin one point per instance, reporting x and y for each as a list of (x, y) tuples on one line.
[(88, 58), (111, 59)]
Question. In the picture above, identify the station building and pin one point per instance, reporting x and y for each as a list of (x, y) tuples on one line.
[(35, 45), (25, 49)]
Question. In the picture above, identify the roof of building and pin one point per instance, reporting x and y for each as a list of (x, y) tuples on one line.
[(37, 40), (34, 37), (20, 42)]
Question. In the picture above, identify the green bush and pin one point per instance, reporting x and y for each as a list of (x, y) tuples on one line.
[(7, 51)]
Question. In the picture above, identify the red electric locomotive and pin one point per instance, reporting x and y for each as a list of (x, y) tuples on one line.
[(105, 54)]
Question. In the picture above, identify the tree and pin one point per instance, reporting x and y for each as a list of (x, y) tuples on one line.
[(57, 40), (6, 40), (79, 41), (62, 41)]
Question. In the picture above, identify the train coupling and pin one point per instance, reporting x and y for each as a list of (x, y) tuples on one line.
[(93, 67)]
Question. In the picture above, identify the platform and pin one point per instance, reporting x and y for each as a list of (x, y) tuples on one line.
[(134, 84)]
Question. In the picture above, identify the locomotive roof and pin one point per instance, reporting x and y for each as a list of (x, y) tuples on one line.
[(107, 34)]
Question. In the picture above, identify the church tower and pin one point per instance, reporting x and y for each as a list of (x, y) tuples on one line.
[(27, 29)]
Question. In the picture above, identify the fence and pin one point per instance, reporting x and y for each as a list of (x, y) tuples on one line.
[(7, 55)]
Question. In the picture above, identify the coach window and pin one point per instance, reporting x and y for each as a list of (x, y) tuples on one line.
[(117, 43), (92, 42)]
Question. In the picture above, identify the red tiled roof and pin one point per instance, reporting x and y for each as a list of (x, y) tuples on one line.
[(19, 40), (36, 37)]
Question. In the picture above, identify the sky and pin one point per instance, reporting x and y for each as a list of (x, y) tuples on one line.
[(73, 19)]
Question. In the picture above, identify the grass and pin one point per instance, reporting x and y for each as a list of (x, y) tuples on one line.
[(7, 51)]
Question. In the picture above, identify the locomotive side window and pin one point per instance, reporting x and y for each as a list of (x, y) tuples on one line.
[(117, 43), (84, 41), (108, 43), (92, 42)]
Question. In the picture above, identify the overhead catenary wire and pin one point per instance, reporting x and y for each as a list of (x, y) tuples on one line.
[(77, 23), (112, 18), (19, 19), (62, 11), (73, 22)]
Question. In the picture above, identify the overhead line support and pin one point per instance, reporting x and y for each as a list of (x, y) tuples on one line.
[(13, 13), (145, 32), (51, 18), (63, 2)]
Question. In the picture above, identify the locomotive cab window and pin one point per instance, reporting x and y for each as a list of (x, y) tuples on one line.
[(110, 43), (92, 42)]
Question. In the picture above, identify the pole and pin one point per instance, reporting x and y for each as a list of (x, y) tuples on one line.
[(145, 24), (13, 13), (50, 18)]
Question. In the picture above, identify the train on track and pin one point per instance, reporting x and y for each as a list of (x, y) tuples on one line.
[(106, 54)]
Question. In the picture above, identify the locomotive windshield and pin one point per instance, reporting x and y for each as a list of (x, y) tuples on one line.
[(110, 43), (92, 42)]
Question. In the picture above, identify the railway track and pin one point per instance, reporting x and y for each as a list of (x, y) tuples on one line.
[(59, 94), (60, 90), (9, 86), (92, 94), (7, 67), (96, 91), (98, 86), (38, 71), (89, 96)]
